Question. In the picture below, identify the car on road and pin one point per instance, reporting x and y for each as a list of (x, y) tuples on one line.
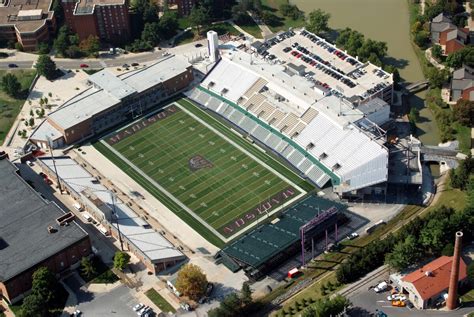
[(137, 307), (12, 65), (125, 66), (135, 64), (84, 65), (30, 163), (198, 45)]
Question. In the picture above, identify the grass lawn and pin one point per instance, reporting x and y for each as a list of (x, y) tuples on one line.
[(159, 301), (284, 23), (218, 182), (220, 28), (463, 135), (9, 106), (468, 298), (221, 127), (251, 27)]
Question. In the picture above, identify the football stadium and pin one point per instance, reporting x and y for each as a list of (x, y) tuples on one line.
[(216, 181)]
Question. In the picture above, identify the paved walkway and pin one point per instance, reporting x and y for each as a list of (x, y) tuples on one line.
[(432, 60), (470, 22), (266, 32), (238, 28)]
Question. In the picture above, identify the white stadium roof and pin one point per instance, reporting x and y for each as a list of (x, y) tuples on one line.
[(278, 98)]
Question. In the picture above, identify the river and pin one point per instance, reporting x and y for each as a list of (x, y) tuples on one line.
[(387, 21)]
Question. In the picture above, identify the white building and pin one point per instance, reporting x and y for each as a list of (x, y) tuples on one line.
[(324, 136)]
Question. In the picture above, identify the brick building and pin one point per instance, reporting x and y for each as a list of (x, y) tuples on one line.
[(444, 33), (112, 100), (26, 22), (107, 19), (462, 84), (33, 233), (182, 6)]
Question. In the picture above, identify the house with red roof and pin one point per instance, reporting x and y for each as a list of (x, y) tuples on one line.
[(429, 284)]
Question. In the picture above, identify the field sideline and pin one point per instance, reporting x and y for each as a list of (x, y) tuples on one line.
[(205, 176)]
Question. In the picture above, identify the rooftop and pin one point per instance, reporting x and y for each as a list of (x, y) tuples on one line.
[(24, 221), (108, 90), (26, 15), (84, 7), (264, 242), (433, 277), (330, 67), (152, 244)]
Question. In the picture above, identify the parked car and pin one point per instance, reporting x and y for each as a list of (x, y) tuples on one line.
[(141, 311), (381, 287), (198, 45), (43, 175), (30, 163), (84, 65), (12, 65), (398, 303), (125, 66), (135, 64), (352, 236), (137, 307)]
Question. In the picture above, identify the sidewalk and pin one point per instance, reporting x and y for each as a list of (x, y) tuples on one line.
[(238, 28), (266, 32), (431, 59)]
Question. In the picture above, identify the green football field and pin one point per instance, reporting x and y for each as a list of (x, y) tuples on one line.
[(214, 180)]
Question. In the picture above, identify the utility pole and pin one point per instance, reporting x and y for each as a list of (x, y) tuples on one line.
[(114, 212), (54, 165)]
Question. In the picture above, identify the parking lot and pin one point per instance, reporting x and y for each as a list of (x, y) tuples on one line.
[(367, 302), (329, 68)]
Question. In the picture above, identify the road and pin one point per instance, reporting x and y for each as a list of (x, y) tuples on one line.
[(26, 61)]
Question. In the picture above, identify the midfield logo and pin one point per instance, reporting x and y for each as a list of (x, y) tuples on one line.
[(198, 162)]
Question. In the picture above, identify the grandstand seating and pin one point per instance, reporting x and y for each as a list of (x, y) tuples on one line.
[(256, 87), (255, 100), (297, 129), (289, 122), (273, 140), (276, 117), (309, 115), (264, 111)]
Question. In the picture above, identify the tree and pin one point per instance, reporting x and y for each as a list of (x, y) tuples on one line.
[(270, 18), (43, 48), (191, 281), (87, 268), (437, 77), (46, 67), (121, 260), (404, 254), (229, 307), (91, 45), (168, 25), (448, 250), (326, 307), (151, 33), (31, 122), (199, 17), (246, 294), (10, 84), (422, 38), (470, 273), (318, 21), (463, 112), (32, 306), (437, 52), (61, 43)]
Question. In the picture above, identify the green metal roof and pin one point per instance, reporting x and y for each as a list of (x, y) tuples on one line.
[(261, 244), (335, 179)]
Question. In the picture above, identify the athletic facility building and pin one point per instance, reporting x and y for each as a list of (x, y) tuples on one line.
[(112, 99), (33, 233), (114, 216), (267, 246), (328, 129)]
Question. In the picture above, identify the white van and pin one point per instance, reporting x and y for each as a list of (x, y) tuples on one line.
[(381, 287)]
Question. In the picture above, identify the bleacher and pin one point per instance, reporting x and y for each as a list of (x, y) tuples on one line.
[(272, 138), (264, 111), (256, 87), (258, 249), (309, 115)]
